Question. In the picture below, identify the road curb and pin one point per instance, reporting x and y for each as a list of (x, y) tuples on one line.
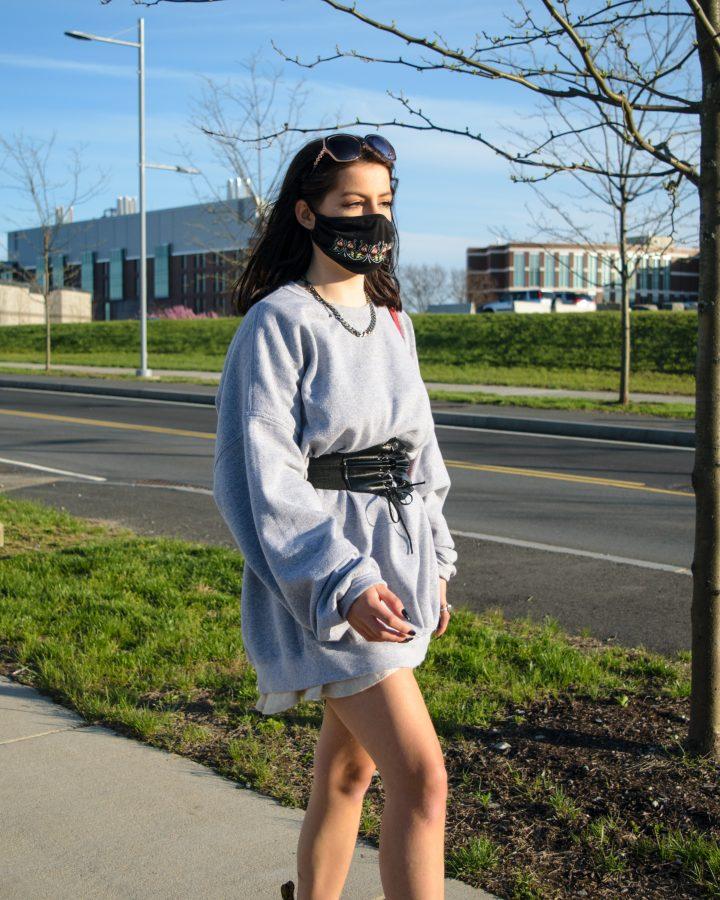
[(650, 435), (672, 436), (149, 393)]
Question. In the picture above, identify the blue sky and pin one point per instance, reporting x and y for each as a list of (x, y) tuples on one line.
[(453, 190)]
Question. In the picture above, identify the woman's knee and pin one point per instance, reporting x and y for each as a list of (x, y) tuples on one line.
[(346, 775), (423, 784)]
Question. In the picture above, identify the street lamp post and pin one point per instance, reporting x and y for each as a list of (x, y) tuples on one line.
[(143, 371)]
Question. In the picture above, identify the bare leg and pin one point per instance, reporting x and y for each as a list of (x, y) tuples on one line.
[(392, 723), (342, 773)]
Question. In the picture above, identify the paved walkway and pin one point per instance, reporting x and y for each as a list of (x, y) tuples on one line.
[(505, 390), (89, 813)]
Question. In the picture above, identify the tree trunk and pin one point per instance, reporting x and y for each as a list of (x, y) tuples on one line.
[(624, 314), (46, 294), (704, 731)]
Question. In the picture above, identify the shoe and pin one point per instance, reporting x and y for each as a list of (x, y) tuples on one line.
[(287, 891)]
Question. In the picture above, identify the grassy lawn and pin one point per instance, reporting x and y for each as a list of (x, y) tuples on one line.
[(664, 410), (568, 775), (568, 379)]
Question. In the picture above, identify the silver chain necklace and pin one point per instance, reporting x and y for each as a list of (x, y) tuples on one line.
[(332, 308)]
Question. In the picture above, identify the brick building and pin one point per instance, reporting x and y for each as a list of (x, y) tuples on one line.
[(664, 272)]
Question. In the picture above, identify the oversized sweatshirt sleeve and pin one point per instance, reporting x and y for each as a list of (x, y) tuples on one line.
[(274, 513), (429, 466)]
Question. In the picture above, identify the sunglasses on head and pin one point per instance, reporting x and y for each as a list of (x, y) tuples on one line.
[(348, 147)]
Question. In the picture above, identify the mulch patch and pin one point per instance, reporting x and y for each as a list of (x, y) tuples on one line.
[(619, 764)]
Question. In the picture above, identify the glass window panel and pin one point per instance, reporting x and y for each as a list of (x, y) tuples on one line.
[(518, 269), (57, 264), (549, 271), (117, 259), (40, 272), (577, 273), (162, 271), (87, 270), (592, 270), (564, 270), (534, 275)]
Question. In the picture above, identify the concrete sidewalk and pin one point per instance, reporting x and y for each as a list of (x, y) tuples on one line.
[(504, 390), (89, 813)]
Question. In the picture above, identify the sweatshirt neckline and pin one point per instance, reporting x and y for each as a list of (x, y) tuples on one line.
[(359, 311)]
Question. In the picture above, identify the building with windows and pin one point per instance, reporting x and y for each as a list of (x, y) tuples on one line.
[(194, 253), (662, 272)]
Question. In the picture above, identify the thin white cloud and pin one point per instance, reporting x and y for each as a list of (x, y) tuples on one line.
[(55, 64)]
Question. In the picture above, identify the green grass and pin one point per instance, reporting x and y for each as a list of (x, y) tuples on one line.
[(479, 854), (698, 855), (103, 617), (663, 410), (563, 378)]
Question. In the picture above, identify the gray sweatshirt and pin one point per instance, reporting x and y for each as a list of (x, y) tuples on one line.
[(295, 384)]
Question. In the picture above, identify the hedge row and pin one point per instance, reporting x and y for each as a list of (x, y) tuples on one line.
[(660, 341)]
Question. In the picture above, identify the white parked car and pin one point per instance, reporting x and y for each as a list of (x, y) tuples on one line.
[(497, 306), (533, 300), (573, 301)]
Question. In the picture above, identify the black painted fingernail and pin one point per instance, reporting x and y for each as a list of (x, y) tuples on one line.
[(404, 612), (412, 632), (406, 640)]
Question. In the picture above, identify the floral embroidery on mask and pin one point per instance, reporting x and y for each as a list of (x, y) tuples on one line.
[(361, 251)]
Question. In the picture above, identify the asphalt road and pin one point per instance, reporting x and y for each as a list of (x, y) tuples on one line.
[(596, 534)]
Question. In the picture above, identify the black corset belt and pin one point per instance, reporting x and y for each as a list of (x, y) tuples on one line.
[(380, 469)]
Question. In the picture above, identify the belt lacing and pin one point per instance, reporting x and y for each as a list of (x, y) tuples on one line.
[(396, 496), (396, 489)]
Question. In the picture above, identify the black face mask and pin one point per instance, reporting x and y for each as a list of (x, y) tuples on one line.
[(357, 243)]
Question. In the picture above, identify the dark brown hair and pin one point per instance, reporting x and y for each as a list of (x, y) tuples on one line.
[(281, 248)]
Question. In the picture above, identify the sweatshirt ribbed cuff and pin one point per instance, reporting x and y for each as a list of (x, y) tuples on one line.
[(358, 586), (332, 625), (446, 571)]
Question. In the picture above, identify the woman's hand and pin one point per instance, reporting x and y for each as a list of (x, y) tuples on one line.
[(444, 614), (379, 603)]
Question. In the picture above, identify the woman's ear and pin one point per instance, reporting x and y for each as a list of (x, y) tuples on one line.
[(304, 215)]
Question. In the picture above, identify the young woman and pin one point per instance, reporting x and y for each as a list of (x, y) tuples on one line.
[(329, 475)]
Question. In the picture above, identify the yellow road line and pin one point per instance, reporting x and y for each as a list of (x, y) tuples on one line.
[(560, 476), (454, 463), (103, 423)]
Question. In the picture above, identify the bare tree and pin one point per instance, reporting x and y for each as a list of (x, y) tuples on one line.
[(457, 286), (644, 217), (628, 188), (422, 285), (27, 167), (229, 114), (224, 111)]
